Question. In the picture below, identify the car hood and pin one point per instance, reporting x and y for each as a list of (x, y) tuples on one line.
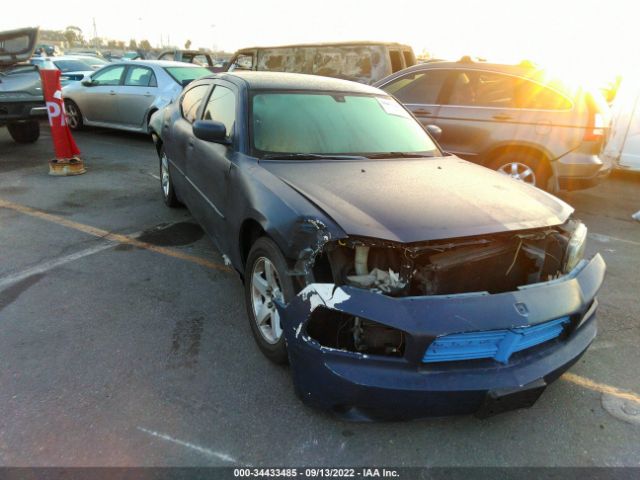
[(25, 85), (411, 200)]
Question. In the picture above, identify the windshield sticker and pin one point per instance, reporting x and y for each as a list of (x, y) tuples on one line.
[(392, 107)]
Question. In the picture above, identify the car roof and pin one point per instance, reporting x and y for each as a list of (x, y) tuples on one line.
[(64, 57), (358, 43), (297, 81), (518, 69), (157, 63)]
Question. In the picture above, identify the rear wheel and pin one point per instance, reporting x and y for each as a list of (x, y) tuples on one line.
[(266, 282), (24, 132), (528, 168), (74, 116), (166, 183)]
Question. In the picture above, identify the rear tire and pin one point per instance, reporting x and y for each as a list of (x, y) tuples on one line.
[(526, 167), (24, 132), (265, 279), (166, 182), (74, 115)]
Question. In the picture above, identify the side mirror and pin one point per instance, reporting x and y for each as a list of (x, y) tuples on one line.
[(210, 131), (87, 82), (435, 131)]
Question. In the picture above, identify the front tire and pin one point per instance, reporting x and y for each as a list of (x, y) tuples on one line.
[(527, 168), (74, 116), (166, 182), (24, 132), (266, 280)]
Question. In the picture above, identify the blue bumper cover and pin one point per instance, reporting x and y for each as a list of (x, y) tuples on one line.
[(371, 387)]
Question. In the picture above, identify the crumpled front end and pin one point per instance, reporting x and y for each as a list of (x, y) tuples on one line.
[(392, 338)]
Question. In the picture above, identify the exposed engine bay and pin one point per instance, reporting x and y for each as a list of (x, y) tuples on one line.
[(493, 263)]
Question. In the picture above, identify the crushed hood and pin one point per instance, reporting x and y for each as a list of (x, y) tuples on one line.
[(411, 200)]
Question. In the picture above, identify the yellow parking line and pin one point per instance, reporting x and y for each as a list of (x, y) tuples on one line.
[(114, 237), (124, 239), (600, 387)]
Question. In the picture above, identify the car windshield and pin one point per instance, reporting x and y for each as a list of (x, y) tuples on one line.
[(187, 74), (332, 123), (71, 65)]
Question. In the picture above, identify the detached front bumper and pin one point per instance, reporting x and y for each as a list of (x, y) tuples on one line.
[(375, 386)]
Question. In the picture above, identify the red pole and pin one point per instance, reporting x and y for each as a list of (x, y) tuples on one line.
[(67, 161)]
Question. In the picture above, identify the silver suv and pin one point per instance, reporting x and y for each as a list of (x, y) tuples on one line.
[(512, 118)]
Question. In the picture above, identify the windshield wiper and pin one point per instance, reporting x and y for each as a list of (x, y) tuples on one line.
[(400, 155), (309, 156)]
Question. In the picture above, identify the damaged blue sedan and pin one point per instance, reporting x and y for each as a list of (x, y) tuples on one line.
[(397, 280)]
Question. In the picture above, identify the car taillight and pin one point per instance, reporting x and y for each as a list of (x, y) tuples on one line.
[(595, 123)]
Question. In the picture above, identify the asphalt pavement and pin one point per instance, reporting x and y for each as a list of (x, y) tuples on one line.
[(124, 340)]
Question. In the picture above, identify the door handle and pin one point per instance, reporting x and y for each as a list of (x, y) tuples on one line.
[(421, 111), (502, 116)]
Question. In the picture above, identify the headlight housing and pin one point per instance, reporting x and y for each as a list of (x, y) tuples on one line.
[(575, 247)]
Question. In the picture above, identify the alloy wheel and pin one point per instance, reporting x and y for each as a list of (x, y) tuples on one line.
[(164, 175), (519, 171), (72, 115), (265, 289)]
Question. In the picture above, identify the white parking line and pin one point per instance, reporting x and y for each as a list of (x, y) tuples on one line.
[(155, 176), (206, 451), (53, 263), (599, 237)]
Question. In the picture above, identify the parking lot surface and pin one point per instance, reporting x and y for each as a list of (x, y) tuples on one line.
[(124, 340)]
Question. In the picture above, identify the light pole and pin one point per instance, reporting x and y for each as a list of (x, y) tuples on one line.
[(213, 38)]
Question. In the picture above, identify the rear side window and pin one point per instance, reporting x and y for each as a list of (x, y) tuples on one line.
[(534, 95), (191, 101), (495, 90), (482, 89), (140, 77), (396, 60), (242, 62), (221, 107), (418, 87)]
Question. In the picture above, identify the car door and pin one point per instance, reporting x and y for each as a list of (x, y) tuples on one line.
[(479, 111), (209, 164), (136, 95), (98, 102), (180, 149), (420, 92)]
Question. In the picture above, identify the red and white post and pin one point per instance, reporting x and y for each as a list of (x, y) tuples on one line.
[(67, 160)]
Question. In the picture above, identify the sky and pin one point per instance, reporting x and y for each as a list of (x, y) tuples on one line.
[(580, 37)]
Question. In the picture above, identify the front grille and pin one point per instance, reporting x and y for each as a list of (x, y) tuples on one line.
[(496, 344)]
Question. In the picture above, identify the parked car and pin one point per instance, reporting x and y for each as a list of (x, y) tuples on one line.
[(398, 281), (364, 62), (198, 57), (515, 119), (623, 145), (21, 100), (72, 67), (48, 50), (124, 95)]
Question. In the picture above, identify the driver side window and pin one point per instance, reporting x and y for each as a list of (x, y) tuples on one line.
[(108, 76)]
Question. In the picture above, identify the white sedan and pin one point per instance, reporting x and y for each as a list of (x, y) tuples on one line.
[(124, 95)]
